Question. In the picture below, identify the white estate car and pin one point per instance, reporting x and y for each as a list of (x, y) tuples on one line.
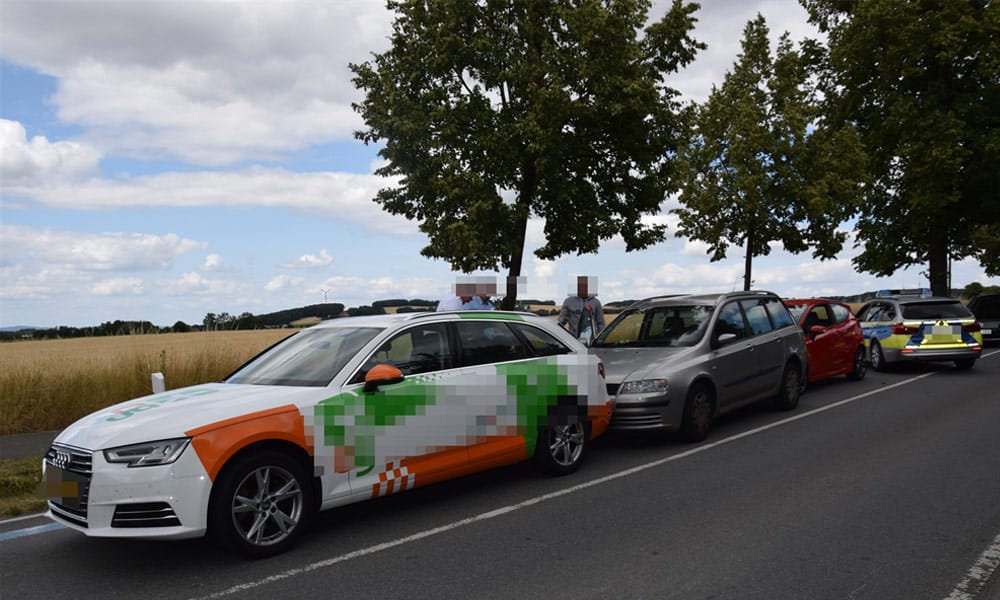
[(346, 410)]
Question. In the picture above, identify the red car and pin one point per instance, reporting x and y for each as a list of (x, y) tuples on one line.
[(834, 342)]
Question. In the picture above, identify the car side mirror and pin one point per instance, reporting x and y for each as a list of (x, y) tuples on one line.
[(722, 339), (382, 375)]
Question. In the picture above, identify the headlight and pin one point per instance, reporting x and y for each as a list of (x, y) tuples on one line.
[(644, 386), (162, 452)]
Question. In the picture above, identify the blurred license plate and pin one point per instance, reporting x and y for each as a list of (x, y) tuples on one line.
[(62, 487), (987, 332)]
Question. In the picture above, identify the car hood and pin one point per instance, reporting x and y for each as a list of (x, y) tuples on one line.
[(632, 363), (171, 414)]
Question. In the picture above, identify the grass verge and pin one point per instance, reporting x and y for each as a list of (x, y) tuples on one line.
[(20, 486)]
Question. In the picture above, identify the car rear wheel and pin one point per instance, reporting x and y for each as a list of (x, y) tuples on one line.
[(877, 358), (790, 390), (965, 363), (860, 367), (561, 448), (260, 504), (698, 409)]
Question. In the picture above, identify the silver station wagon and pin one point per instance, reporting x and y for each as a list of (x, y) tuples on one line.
[(675, 363)]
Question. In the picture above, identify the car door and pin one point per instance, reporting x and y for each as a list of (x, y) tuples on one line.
[(825, 356), (734, 360), (768, 343), (404, 434)]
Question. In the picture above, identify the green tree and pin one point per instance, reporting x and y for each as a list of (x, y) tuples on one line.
[(922, 82), (762, 167), (494, 111)]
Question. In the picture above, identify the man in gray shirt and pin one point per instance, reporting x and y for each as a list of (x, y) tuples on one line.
[(582, 314)]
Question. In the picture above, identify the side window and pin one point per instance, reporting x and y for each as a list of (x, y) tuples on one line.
[(756, 316), (488, 342), (540, 341), (840, 313), (779, 313), (421, 349), (731, 321), (873, 312)]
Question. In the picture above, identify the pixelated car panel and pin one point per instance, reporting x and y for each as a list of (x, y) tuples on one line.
[(346, 410)]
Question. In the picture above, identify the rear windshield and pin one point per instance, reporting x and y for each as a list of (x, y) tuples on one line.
[(935, 310)]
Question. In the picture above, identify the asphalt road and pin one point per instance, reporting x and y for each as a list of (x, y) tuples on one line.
[(882, 489)]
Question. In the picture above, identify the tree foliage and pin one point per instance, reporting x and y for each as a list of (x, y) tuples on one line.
[(921, 80), (762, 166), (495, 111)]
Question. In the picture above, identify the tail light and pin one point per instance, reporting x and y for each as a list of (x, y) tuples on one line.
[(972, 327), (900, 329), (600, 370)]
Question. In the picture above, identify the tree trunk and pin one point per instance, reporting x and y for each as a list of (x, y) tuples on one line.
[(938, 263), (522, 209)]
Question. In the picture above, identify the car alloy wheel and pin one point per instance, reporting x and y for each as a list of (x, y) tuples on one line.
[(561, 448), (697, 419), (878, 358), (261, 504), (791, 387)]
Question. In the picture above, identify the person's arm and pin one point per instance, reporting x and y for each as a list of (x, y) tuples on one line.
[(563, 314)]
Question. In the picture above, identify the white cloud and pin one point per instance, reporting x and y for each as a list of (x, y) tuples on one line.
[(214, 262), (93, 252), (310, 261), (129, 286), (283, 282), (342, 196), (196, 283), (39, 161), (209, 83)]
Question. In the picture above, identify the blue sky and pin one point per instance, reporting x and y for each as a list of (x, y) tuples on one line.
[(164, 160)]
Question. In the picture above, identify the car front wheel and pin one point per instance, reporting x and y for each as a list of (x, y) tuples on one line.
[(788, 393), (260, 504), (561, 448), (877, 358), (860, 366), (697, 419)]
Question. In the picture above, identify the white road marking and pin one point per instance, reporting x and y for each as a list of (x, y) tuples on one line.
[(980, 572), (236, 589)]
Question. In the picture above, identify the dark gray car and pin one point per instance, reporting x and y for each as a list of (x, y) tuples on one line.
[(674, 363), (986, 308)]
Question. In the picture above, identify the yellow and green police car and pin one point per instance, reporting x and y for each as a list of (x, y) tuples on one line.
[(912, 325)]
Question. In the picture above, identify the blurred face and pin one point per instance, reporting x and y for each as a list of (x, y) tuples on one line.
[(581, 287)]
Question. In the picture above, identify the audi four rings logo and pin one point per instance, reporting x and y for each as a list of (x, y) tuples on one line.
[(62, 459)]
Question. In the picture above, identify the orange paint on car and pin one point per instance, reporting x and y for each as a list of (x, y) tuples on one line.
[(218, 442)]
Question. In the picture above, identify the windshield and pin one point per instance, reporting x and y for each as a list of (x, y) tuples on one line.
[(935, 310), (310, 358), (797, 310), (666, 326)]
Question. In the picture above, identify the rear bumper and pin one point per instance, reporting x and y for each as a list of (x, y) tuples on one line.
[(919, 354)]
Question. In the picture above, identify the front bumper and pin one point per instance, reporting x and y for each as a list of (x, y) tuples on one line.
[(113, 500), (646, 413)]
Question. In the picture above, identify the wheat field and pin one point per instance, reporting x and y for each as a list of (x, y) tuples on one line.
[(48, 384)]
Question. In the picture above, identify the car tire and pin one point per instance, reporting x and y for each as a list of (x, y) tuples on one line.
[(698, 412), (965, 364), (261, 504), (788, 394), (860, 367), (877, 356), (561, 448)]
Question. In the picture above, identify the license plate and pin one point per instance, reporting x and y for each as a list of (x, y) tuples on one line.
[(62, 487), (987, 332)]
